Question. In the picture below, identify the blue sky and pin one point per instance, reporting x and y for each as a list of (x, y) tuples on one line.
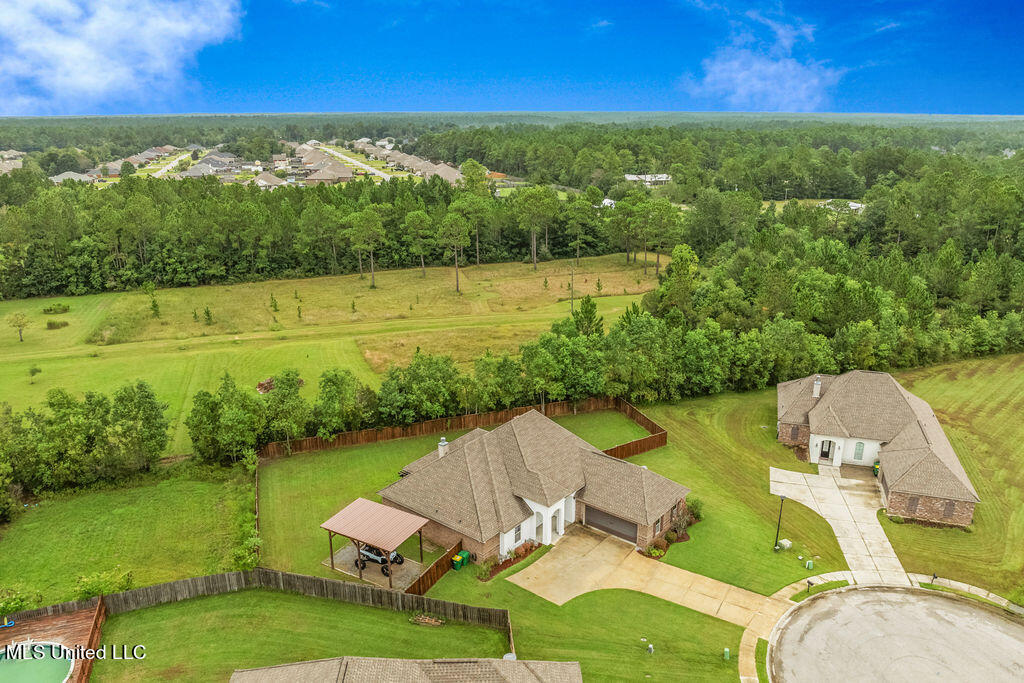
[(176, 56)]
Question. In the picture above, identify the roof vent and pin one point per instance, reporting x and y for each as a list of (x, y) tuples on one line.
[(442, 447), (817, 387)]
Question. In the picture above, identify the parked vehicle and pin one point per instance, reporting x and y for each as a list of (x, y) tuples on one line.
[(369, 553)]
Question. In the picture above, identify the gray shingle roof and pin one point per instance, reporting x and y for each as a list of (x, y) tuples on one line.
[(360, 669), (478, 488), (916, 454)]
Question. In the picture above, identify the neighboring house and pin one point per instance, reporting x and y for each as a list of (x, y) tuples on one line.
[(861, 417), (449, 173), (71, 175), (526, 481), (330, 175), (363, 669), (313, 143), (9, 165), (267, 181), (650, 179), (11, 154), (194, 147), (199, 170)]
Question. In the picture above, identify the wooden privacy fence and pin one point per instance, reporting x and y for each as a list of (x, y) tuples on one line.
[(313, 586), (435, 571), (277, 449), (84, 671)]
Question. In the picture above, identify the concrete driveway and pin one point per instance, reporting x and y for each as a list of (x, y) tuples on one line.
[(848, 499), (586, 560), (896, 634)]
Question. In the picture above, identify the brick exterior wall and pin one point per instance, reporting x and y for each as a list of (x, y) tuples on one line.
[(931, 509), (645, 534), (786, 434), (435, 532)]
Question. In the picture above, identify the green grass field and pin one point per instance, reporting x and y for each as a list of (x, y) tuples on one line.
[(721, 447), (205, 639), (603, 630), (299, 493), (979, 403), (160, 531), (113, 338)]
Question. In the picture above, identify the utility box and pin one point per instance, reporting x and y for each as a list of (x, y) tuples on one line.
[(785, 544)]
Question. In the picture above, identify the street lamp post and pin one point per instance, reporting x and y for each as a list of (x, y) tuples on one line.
[(778, 526)]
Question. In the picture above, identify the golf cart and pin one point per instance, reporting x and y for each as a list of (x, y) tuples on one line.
[(369, 553)]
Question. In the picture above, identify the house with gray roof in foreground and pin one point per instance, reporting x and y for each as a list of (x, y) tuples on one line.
[(374, 669), (861, 417), (527, 480)]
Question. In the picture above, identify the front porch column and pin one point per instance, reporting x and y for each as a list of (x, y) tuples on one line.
[(546, 528), (561, 519)]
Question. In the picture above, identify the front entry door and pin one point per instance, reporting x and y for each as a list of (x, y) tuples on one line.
[(826, 450)]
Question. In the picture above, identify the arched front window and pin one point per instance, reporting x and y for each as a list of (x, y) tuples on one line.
[(858, 451)]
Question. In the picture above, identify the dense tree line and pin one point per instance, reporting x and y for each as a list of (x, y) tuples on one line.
[(73, 239), (813, 160), (71, 442)]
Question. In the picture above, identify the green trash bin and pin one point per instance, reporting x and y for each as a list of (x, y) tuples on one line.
[(457, 562), (464, 554)]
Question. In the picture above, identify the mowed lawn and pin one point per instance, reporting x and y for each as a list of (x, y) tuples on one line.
[(159, 531), (300, 492), (113, 338), (603, 630), (721, 448), (205, 639), (980, 404)]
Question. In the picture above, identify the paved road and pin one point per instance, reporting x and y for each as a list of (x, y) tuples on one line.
[(365, 167), (850, 507), (894, 634), (170, 166)]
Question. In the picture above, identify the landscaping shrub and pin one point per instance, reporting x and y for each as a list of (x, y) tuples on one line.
[(56, 324), (661, 544), (896, 519), (680, 524), (14, 599), (103, 583), (654, 551), (696, 508), (56, 309), (670, 536)]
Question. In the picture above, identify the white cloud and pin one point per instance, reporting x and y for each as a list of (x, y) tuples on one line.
[(64, 56), (747, 80), (603, 23), (758, 69)]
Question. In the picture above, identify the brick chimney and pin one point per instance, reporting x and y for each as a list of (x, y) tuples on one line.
[(442, 447), (817, 387)]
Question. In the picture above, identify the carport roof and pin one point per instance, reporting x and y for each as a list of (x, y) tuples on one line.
[(374, 524)]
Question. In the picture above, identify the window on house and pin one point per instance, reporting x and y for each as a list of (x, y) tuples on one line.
[(912, 505), (657, 526), (519, 534), (949, 509), (672, 514), (858, 451), (794, 433)]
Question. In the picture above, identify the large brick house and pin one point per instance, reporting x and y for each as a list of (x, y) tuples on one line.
[(861, 417), (526, 481)]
